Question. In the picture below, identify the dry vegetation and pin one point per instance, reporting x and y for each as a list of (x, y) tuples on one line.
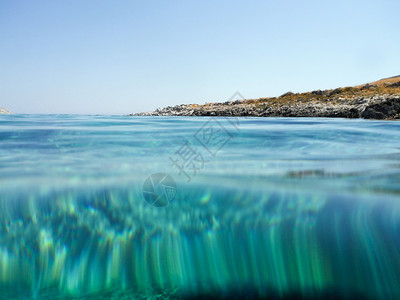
[(379, 100), (389, 86), (389, 80)]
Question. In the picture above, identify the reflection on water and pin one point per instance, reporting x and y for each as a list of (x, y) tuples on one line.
[(288, 206)]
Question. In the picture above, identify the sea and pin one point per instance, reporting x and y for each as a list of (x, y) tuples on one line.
[(122, 207)]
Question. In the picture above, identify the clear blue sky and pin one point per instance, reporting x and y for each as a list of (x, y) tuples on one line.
[(118, 57)]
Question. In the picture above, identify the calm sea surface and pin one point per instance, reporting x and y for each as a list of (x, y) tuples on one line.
[(118, 207)]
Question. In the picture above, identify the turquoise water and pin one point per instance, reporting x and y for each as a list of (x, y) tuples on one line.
[(260, 207)]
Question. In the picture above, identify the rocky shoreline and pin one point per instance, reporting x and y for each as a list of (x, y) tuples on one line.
[(375, 107), (376, 100)]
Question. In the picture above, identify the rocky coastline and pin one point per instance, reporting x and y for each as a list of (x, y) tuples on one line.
[(370, 101), (377, 107)]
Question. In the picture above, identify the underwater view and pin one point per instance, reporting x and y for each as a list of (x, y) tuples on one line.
[(119, 207)]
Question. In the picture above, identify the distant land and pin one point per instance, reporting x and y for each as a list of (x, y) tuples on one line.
[(4, 111), (375, 100)]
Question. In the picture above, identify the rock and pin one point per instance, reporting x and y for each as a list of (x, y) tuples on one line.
[(368, 86), (386, 109), (4, 111), (375, 107), (396, 84)]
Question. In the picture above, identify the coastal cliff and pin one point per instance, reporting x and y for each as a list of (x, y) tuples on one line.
[(377, 100)]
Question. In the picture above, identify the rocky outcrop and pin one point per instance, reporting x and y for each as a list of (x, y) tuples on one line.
[(4, 111), (374, 107)]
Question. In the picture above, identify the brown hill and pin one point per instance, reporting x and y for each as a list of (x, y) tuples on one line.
[(375, 100), (386, 81)]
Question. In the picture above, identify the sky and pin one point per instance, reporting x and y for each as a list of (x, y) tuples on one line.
[(120, 57)]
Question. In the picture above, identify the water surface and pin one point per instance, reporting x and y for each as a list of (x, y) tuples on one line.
[(262, 206)]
